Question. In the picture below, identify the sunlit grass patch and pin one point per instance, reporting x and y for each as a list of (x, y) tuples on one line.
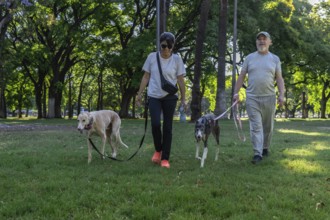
[(321, 145), (300, 152), (307, 133), (302, 166)]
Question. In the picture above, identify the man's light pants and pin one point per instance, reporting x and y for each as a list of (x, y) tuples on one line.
[(261, 112)]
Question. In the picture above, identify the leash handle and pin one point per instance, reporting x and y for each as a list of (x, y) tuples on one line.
[(238, 123)]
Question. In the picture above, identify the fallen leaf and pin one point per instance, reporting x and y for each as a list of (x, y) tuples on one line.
[(260, 197), (312, 194), (319, 205)]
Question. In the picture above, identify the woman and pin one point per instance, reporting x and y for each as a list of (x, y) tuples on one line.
[(160, 101)]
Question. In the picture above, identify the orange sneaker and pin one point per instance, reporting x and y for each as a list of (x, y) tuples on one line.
[(156, 157), (165, 163)]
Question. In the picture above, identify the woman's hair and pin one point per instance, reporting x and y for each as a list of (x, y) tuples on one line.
[(168, 37)]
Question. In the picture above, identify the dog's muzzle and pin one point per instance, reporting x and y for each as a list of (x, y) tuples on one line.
[(198, 135), (80, 130)]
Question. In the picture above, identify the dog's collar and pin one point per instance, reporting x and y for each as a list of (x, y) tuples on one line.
[(89, 125)]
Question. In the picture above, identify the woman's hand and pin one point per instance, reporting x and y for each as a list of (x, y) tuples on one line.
[(139, 100)]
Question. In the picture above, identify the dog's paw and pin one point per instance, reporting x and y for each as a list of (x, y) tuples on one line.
[(198, 158)]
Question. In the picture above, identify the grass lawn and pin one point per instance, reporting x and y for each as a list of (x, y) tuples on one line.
[(44, 174)]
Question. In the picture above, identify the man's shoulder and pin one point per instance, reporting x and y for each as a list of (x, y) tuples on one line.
[(274, 57), (256, 54), (251, 55)]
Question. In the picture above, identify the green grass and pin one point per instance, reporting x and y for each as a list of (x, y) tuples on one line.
[(44, 175)]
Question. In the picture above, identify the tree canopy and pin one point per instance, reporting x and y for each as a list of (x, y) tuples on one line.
[(59, 57)]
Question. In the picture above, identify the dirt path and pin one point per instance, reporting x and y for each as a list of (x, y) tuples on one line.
[(34, 127)]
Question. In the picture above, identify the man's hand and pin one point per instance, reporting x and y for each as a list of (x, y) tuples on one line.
[(236, 98), (280, 101)]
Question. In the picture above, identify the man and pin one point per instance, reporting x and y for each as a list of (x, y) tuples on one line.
[(262, 67)]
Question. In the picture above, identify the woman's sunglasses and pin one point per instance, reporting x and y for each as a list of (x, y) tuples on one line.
[(165, 45)]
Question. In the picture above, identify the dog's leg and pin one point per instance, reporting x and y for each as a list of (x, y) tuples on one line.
[(197, 151), (113, 141), (205, 151), (204, 156), (90, 148), (104, 140), (116, 131), (109, 139), (217, 154), (216, 134)]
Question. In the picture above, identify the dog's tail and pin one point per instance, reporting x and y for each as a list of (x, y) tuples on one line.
[(120, 141)]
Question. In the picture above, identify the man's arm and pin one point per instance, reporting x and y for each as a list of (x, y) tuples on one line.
[(281, 88), (238, 85)]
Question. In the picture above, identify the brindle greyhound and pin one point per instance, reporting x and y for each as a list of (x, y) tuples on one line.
[(204, 126)]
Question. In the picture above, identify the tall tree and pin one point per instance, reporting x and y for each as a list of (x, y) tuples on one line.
[(5, 17), (7, 8), (222, 47), (200, 38)]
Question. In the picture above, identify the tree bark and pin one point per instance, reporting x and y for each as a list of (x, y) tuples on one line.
[(221, 94), (324, 98), (195, 105), (303, 106), (4, 21), (100, 91)]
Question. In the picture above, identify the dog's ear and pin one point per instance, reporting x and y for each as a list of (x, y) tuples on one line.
[(90, 118)]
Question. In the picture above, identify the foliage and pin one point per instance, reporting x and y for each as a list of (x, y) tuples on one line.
[(112, 39)]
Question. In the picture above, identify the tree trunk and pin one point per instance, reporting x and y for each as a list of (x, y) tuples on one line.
[(54, 100), (125, 102), (44, 102), (70, 106), (51, 104), (52, 92), (3, 107), (324, 98), (81, 91), (195, 105), (100, 91), (38, 98), (221, 93), (6, 17), (304, 111)]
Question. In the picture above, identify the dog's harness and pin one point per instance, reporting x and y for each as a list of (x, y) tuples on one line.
[(142, 139), (237, 120)]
